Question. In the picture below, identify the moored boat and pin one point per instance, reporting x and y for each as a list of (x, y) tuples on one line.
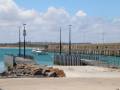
[(40, 51)]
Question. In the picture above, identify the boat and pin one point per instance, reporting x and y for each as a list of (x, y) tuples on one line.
[(39, 51)]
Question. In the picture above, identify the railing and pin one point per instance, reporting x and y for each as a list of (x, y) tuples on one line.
[(84, 59)]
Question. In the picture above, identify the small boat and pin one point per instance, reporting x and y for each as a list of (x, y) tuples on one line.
[(39, 51)]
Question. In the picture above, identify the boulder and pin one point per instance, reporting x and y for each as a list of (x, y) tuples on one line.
[(37, 71), (23, 70), (4, 74), (59, 73), (45, 72), (52, 74)]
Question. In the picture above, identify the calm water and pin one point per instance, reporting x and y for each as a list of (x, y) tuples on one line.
[(40, 59), (111, 60)]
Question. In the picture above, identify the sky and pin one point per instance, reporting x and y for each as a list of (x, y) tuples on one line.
[(101, 8), (94, 21)]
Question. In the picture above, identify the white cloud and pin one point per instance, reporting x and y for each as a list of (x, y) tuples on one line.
[(44, 26), (81, 13)]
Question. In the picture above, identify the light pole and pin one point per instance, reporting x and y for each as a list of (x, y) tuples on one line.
[(60, 42), (70, 39), (19, 42), (24, 35)]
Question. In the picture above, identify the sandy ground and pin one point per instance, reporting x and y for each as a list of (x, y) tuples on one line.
[(61, 84), (78, 78), (89, 72)]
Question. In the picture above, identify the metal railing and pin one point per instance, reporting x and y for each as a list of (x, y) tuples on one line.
[(86, 59)]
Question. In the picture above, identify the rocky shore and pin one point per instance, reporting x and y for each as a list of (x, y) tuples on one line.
[(30, 70)]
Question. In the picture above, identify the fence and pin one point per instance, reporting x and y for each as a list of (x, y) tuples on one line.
[(82, 59)]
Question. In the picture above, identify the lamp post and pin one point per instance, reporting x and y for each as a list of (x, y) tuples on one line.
[(60, 42), (70, 39), (19, 42), (24, 35)]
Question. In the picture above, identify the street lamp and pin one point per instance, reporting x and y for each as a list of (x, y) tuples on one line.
[(70, 39), (19, 42), (24, 35), (60, 42)]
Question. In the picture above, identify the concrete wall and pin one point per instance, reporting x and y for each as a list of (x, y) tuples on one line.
[(8, 61)]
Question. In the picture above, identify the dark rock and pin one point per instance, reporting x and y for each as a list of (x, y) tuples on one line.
[(52, 74), (37, 72), (59, 73), (4, 74), (45, 72)]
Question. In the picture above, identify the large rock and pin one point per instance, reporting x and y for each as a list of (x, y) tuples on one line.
[(37, 71), (59, 73), (28, 70), (4, 74), (52, 74)]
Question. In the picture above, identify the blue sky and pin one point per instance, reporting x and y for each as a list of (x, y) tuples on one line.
[(97, 8)]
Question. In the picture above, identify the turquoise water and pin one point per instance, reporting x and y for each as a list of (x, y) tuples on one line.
[(40, 59), (111, 60)]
